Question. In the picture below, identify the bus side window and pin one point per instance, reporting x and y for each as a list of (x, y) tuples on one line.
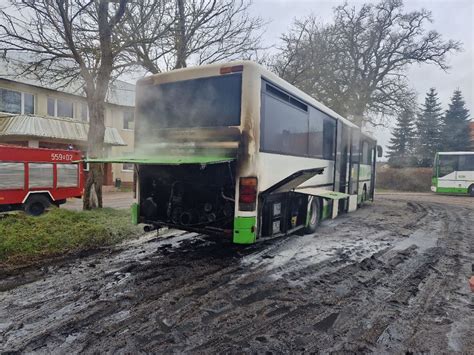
[(447, 164), (466, 162), (285, 128), (366, 153), (329, 137)]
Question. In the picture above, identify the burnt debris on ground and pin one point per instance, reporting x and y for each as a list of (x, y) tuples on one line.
[(390, 277)]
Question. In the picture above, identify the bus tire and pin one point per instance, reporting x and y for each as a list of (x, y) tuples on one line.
[(314, 216), (36, 205), (471, 190)]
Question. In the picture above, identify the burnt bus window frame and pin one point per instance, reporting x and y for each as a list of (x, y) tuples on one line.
[(366, 152), (236, 116), (328, 150), (285, 146)]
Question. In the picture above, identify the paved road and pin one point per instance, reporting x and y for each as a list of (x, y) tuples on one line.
[(390, 277), (120, 200)]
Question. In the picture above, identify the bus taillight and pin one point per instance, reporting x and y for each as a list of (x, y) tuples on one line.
[(247, 193)]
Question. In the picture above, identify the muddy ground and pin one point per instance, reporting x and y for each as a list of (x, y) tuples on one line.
[(391, 277)]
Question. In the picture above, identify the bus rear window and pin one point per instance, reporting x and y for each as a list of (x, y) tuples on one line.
[(203, 102)]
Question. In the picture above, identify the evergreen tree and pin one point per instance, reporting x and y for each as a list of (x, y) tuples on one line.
[(400, 150), (429, 127), (455, 133)]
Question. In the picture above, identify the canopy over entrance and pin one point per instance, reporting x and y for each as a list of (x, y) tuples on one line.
[(53, 128)]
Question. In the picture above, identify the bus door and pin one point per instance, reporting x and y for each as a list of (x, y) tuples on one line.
[(355, 161), (342, 174), (372, 176)]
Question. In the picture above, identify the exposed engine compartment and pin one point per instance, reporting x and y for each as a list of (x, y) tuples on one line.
[(190, 196)]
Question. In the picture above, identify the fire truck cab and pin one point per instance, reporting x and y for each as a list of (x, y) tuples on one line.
[(32, 179)]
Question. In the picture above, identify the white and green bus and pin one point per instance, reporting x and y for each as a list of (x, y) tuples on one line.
[(453, 173), (234, 149)]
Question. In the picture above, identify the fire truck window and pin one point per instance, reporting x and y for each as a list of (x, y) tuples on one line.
[(40, 175), (67, 175), (12, 176)]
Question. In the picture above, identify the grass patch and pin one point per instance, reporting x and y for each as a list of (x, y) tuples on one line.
[(24, 238)]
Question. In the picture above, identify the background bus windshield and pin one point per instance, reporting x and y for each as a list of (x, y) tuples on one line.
[(203, 102)]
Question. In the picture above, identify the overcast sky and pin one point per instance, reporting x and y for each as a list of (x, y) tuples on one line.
[(454, 19)]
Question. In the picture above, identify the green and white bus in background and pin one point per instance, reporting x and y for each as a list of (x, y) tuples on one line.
[(235, 150), (453, 173)]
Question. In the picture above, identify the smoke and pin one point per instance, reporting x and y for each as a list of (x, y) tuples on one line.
[(192, 117)]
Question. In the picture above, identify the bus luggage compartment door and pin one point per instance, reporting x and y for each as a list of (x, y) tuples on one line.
[(283, 210)]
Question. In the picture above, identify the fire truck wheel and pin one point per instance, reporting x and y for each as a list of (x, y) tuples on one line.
[(36, 205)]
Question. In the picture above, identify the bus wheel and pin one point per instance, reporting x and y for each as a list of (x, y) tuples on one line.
[(36, 205), (314, 216), (471, 190)]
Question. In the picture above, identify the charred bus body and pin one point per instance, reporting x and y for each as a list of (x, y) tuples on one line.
[(235, 149)]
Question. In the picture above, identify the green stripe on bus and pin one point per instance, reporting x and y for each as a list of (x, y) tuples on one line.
[(244, 230), (326, 211), (452, 190), (135, 213)]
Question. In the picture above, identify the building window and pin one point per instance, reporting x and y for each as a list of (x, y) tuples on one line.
[(16, 102), (64, 108), (128, 120), (28, 103), (60, 108), (51, 107), (127, 166), (84, 112)]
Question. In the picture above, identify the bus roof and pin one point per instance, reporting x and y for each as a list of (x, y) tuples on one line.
[(213, 69), (455, 153)]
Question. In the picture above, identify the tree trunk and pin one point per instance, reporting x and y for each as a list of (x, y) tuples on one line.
[(180, 35), (93, 187), (358, 114)]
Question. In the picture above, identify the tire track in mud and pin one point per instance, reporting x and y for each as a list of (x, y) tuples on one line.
[(391, 283)]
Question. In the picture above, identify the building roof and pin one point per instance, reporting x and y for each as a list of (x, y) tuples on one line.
[(53, 127), (120, 92)]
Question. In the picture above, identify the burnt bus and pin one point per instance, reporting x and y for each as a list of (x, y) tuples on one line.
[(233, 149)]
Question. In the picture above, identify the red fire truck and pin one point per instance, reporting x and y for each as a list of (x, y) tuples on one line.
[(32, 179)]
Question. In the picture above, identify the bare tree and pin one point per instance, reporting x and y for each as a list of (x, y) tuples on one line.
[(357, 64), (66, 41), (199, 32)]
